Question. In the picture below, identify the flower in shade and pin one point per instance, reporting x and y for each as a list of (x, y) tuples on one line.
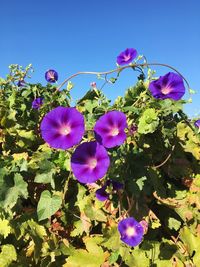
[(168, 86), (101, 194), (89, 162), (132, 129), (116, 185), (37, 103), (197, 124), (131, 231), (126, 56), (51, 76), (62, 127), (109, 129)]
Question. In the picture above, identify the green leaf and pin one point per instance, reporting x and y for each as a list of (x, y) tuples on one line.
[(69, 86), (48, 205), (7, 255), (34, 229), (190, 241), (138, 258), (114, 257), (83, 257), (148, 122), (45, 178), (174, 224), (112, 239), (18, 190), (140, 182), (27, 134), (5, 228)]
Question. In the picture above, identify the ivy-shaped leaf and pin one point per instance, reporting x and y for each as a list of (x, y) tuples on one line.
[(148, 122), (48, 205), (18, 190), (93, 256)]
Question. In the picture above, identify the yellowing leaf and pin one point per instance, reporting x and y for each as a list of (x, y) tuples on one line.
[(92, 257), (5, 228), (7, 255)]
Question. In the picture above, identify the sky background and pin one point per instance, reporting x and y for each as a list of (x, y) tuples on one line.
[(71, 36)]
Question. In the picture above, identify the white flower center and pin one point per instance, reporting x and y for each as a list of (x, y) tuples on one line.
[(130, 231), (166, 90), (65, 130), (92, 163), (126, 58), (114, 132)]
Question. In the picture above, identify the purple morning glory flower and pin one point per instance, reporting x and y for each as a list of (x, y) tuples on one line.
[(132, 129), (116, 185), (109, 129), (168, 86), (197, 124), (51, 76), (126, 56), (62, 127), (101, 193), (21, 83), (89, 162), (131, 231), (37, 103)]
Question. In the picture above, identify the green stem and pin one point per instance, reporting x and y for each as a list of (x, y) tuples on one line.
[(121, 69), (65, 189)]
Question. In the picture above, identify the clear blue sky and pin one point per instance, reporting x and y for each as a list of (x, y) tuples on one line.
[(71, 36)]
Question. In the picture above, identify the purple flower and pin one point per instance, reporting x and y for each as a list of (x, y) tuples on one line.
[(62, 127), (51, 76), (132, 129), (168, 86), (37, 103), (90, 162), (197, 124), (21, 83), (93, 85), (101, 194), (126, 56), (109, 129), (116, 185), (131, 231)]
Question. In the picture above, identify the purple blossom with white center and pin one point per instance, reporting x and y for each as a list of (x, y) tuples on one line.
[(131, 231), (126, 56), (109, 129), (197, 124), (101, 194), (89, 162), (51, 76), (168, 86), (62, 127), (37, 103)]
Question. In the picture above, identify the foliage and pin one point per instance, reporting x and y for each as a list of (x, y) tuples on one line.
[(47, 218)]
